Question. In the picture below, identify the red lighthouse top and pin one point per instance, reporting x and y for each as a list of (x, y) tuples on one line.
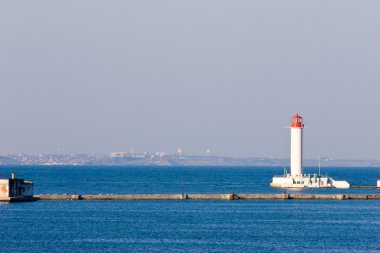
[(297, 121)]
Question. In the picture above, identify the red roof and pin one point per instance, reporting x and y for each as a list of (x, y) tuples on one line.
[(296, 116), (297, 121)]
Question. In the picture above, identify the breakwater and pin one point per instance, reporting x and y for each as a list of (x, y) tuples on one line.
[(230, 196)]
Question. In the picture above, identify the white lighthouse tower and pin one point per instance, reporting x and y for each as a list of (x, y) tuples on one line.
[(296, 178), (296, 129)]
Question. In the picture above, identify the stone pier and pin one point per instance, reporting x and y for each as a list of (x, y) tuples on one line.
[(228, 196)]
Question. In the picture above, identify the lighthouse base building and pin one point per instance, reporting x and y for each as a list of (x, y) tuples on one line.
[(307, 180), (296, 178)]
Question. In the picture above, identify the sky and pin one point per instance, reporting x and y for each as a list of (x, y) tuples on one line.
[(96, 76)]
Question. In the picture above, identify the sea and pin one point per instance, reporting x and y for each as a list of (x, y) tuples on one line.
[(186, 225)]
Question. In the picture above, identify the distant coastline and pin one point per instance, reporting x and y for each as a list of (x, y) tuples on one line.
[(169, 160)]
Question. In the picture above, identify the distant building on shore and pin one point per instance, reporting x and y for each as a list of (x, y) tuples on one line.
[(179, 151), (118, 154)]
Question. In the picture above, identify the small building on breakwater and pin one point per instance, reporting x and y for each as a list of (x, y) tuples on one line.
[(16, 189)]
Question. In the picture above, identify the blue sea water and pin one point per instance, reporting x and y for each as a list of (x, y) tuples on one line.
[(186, 226)]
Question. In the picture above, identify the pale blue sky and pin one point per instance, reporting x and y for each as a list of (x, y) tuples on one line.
[(103, 76)]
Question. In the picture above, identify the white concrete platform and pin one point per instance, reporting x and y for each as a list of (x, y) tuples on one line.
[(307, 181)]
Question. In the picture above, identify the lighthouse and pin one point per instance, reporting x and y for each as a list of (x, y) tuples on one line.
[(296, 129), (296, 178)]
